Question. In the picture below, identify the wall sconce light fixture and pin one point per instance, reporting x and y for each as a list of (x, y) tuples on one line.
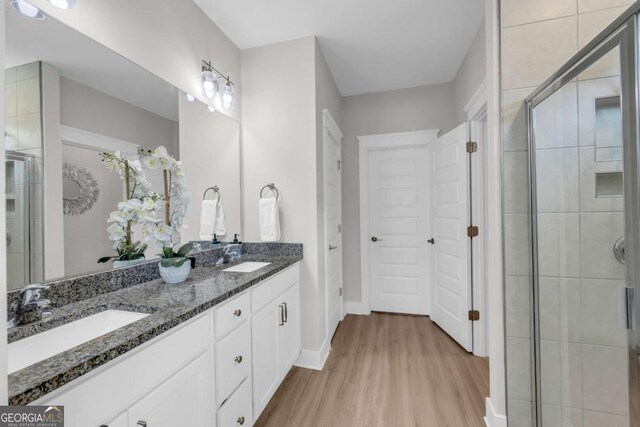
[(211, 85)]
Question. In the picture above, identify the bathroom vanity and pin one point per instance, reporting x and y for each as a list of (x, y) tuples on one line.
[(209, 352)]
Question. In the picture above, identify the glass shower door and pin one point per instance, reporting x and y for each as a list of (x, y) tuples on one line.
[(582, 150), (18, 206)]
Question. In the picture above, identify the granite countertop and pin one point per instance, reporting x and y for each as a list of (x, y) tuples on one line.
[(168, 306)]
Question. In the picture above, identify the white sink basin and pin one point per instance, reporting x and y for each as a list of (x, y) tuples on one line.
[(247, 267), (35, 348)]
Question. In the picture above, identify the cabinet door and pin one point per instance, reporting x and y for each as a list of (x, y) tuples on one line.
[(264, 339), (185, 399), (289, 333)]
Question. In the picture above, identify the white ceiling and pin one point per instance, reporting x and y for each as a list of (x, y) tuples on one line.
[(370, 45), (86, 61)]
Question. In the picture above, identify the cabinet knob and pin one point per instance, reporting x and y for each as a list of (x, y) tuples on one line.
[(237, 313), (240, 420), (238, 359), (142, 423)]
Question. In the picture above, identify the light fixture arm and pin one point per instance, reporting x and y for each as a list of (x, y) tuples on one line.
[(207, 66)]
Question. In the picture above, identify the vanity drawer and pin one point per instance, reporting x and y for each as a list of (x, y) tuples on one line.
[(232, 313), (271, 288), (233, 361), (237, 410)]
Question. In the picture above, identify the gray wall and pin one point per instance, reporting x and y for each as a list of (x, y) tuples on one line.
[(85, 108), (279, 145), (471, 74), (426, 107)]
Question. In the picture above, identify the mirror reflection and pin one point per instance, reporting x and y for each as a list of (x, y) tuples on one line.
[(70, 99)]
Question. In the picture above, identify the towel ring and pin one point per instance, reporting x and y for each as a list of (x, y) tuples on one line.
[(271, 187), (215, 189)]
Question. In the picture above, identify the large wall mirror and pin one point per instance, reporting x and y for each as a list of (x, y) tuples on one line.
[(68, 98)]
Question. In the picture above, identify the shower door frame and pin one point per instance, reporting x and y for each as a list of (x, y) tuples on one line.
[(622, 33)]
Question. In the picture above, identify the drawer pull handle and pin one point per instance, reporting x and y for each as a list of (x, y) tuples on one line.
[(237, 312), (281, 315), (241, 420), (142, 423), (238, 359), (286, 312)]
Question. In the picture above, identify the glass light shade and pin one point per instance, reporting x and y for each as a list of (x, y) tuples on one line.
[(27, 9), (63, 4), (209, 81), (227, 96)]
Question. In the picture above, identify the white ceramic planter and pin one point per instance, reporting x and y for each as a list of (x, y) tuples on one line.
[(127, 263), (173, 275)]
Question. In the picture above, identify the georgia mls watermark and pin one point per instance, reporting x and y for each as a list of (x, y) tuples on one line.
[(31, 416)]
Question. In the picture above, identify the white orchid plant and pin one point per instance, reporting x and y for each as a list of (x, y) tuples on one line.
[(142, 205), (176, 201)]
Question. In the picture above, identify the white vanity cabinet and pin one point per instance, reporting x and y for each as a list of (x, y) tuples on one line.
[(276, 334), (218, 369), (183, 400)]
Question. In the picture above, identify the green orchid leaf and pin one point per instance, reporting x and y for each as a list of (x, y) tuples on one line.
[(173, 262), (185, 249), (105, 259)]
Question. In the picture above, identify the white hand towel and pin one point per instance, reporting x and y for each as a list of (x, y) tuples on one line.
[(269, 220), (220, 227), (208, 219)]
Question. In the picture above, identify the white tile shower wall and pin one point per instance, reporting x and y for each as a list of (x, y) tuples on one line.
[(537, 37)]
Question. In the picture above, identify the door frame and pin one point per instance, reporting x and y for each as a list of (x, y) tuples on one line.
[(366, 145), (477, 115), (330, 128)]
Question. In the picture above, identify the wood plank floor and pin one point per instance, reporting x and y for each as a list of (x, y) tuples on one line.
[(385, 370)]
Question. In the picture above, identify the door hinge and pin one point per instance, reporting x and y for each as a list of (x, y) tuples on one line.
[(474, 315), (472, 231), (339, 228), (340, 291), (472, 147), (339, 164)]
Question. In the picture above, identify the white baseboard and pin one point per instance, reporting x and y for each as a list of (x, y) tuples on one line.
[(355, 307), (314, 359), (493, 419)]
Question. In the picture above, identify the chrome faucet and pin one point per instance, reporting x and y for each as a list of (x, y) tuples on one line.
[(32, 306)]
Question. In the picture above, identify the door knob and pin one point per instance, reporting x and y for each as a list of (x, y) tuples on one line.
[(375, 239), (432, 241)]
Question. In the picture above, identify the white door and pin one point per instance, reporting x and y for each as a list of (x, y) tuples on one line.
[(398, 230), (185, 399), (451, 275), (333, 229)]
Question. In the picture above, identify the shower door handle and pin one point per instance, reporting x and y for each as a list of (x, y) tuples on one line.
[(626, 319)]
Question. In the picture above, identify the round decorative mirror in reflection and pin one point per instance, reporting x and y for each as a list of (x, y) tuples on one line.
[(79, 189)]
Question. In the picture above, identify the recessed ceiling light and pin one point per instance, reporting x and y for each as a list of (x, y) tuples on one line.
[(27, 9), (189, 97), (63, 4)]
